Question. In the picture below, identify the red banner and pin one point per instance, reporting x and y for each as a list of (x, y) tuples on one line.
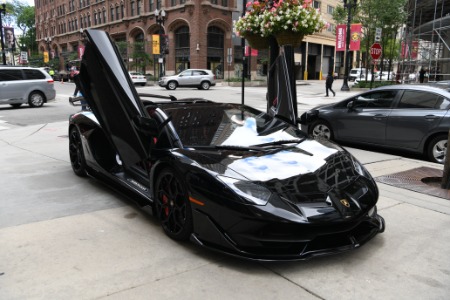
[(355, 37), (253, 52), (340, 37), (415, 49)]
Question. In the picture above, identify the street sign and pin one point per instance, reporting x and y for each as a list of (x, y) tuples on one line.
[(378, 34), (375, 51)]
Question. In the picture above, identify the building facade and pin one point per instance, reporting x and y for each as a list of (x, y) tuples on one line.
[(199, 35)]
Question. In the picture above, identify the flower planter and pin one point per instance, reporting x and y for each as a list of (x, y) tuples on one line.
[(257, 42), (289, 38)]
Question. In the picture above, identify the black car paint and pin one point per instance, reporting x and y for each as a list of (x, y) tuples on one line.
[(330, 217)]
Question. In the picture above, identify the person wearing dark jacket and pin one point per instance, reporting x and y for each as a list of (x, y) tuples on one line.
[(329, 84)]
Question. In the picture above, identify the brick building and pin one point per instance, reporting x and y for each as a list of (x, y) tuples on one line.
[(199, 32)]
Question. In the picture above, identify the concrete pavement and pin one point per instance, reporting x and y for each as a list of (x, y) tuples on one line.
[(64, 237)]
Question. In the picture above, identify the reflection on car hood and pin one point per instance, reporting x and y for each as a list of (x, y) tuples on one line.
[(314, 184), (306, 157)]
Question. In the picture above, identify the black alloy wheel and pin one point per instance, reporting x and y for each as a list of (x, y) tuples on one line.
[(76, 153), (172, 205)]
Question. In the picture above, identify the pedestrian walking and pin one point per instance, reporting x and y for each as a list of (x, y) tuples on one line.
[(329, 84), (422, 75)]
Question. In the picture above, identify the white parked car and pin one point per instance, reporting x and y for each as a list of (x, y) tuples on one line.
[(199, 78), (138, 78)]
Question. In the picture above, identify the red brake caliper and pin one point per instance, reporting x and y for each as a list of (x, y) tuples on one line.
[(166, 204)]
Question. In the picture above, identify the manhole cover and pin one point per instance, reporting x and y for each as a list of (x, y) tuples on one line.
[(422, 180)]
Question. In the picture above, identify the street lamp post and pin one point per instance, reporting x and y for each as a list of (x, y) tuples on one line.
[(2, 10), (160, 18), (349, 6)]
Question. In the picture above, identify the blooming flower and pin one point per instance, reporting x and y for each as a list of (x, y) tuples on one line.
[(283, 16)]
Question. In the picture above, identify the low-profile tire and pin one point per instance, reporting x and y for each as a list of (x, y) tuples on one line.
[(16, 105), (172, 205), (36, 99), (205, 85), (172, 85), (437, 149), (76, 153), (321, 128)]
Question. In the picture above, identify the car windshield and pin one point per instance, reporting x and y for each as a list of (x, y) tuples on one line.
[(215, 124)]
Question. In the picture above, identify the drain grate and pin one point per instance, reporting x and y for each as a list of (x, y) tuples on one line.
[(422, 180)]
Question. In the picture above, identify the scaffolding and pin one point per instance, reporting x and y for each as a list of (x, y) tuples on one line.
[(426, 41)]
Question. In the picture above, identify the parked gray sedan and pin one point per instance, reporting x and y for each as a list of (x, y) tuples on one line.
[(414, 118)]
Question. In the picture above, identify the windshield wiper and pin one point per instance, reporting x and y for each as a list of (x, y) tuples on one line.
[(229, 147), (280, 142)]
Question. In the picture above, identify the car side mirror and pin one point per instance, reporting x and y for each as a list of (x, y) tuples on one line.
[(308, 117), (350, 105)]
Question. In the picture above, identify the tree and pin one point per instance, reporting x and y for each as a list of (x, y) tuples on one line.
[(386, 14), (140, 58), (22, 16)]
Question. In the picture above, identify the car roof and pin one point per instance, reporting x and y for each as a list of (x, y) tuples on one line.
[(417, 87)]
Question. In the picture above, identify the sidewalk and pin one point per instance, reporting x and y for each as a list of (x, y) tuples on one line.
[(65, 237)]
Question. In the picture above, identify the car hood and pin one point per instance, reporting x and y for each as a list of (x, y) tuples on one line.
[(317, 178)]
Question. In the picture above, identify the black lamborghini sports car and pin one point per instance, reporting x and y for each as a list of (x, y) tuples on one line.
[(226, 176)]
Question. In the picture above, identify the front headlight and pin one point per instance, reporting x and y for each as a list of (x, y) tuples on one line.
[(253, 193)]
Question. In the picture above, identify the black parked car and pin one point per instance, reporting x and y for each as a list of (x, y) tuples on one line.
[(414, 118), (226, 176)]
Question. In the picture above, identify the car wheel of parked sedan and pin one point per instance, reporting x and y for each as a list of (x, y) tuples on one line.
[(437, 149), (36, 99), (205, 85), (76, 153), (172, 205), (321, 128), (172, 85)]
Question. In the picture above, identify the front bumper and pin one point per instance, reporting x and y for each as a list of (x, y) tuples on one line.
[(277, 242)]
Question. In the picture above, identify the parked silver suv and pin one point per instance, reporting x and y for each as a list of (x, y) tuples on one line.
[(19, 85), (199, 78)]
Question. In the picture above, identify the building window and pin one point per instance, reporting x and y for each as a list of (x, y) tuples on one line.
[(330, 9), (122, 10), (139, 4), (158, 4), (132, 8), (225, 3), (213, 1), (173, 2), (215, 44), (182, 51), (316, 4), (117, 13), (151, 3), (104, 16), (182, 1), (111, 14), (95, 18)]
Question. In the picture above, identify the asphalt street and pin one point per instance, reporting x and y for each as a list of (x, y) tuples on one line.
[(65, 237)]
